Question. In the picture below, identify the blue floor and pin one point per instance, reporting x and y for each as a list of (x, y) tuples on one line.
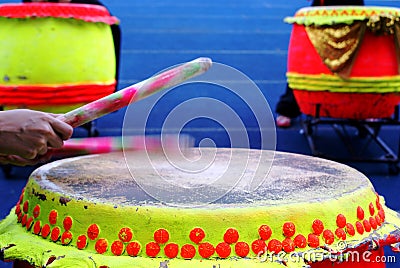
[(249, 36)]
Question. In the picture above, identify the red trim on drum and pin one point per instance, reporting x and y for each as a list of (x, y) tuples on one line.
[(85, 12), (41, 95)]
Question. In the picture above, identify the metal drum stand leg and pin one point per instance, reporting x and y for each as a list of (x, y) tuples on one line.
[(368, 130)]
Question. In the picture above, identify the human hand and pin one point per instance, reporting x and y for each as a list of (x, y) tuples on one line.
[(29, 134)]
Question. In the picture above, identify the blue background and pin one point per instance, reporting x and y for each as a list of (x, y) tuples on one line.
[(247, 35)]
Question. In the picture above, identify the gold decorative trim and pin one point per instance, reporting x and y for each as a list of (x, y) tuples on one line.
[(334, 83)]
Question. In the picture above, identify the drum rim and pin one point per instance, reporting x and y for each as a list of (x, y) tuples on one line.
[(344, 14)]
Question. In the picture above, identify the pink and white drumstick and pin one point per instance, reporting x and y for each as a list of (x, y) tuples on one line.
[(136, 92)]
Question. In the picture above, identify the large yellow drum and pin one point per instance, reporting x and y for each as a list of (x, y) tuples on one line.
[(55, 56), (343, 61), (95, 212)]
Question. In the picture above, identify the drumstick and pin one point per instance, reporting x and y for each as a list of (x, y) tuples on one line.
[(136, 92), (101, 145)]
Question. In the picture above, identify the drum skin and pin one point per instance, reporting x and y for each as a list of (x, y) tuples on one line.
[(51, 62), (353, 97)]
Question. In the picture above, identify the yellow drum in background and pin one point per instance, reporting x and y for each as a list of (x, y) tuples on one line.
[(55, 56), (343, 61)]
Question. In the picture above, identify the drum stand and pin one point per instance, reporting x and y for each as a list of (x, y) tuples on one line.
[(368, 130)]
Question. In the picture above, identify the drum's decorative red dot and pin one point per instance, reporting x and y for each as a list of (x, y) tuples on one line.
[(206, 250), (18, 208), (318, 227), (381, 214), (288, 245), (371, 209), (328, 236), (231, 236), (341, 221), (53, 217), (359, 227), (45, 230), (67, 223), (340, 233), (373, 223), (223, 250), (259, 247), (378, 220), (242, 249), (161, 236), (101, 245), (289, 229), (55, 234), (360, 213), (133, 248), (171, 250), (66, 238), (188, 251), (36, 211), (81, 242), (152, 249), (125, 234), (37, 227), (117, 248), (19, 217), (265, 232), (300, 241), (24, 219), (275, 246), (313, 240), (378, 203), (197, 235), (93, 231), (367, 226), (350, 229), (25, 207), (29, 223)]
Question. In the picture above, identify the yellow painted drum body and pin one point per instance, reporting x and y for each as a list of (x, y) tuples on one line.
[(103, 211), (343, 61), (55, 56)]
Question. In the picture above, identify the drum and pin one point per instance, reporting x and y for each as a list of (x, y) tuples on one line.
[(55, 56), (142, 209), (343, 61)]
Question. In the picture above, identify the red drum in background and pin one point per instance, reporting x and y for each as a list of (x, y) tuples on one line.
[(343, 61)]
